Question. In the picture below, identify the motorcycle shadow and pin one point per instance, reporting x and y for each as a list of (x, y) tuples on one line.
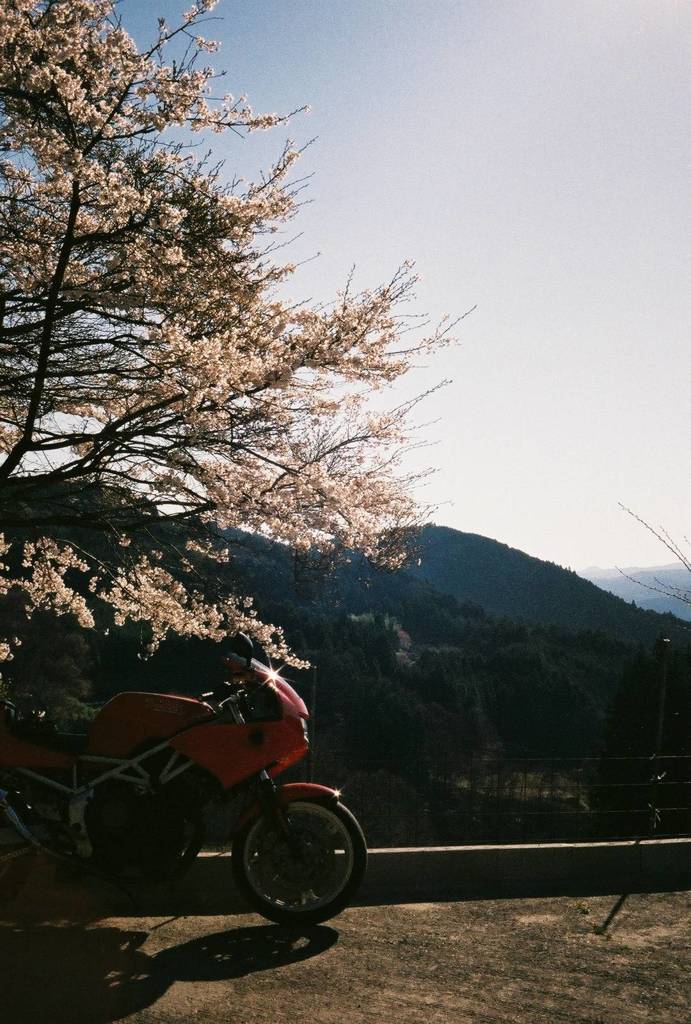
[(74, 974), (34, 888)]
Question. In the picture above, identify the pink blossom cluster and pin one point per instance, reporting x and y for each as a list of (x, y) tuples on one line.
[(148, 370)]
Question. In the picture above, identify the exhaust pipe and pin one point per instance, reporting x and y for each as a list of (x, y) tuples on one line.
[(18, 828)]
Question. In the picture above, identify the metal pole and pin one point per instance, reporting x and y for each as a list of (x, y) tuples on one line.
[(662, 650), (663, 696)]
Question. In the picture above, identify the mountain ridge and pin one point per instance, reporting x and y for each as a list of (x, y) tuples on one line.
[(508, 582), (504, 581)]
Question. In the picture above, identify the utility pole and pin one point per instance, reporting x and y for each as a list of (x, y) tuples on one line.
[(662, 650)]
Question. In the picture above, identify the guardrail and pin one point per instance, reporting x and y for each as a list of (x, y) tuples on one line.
[(514, 800)]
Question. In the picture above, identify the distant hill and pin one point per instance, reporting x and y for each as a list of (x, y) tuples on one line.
[(507, 582), (643, 586)]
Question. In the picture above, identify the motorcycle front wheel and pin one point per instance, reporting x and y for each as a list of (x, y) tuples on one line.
[(308, 877)]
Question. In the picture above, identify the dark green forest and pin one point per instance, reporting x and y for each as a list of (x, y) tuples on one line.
[(510, 663), (412, 681)]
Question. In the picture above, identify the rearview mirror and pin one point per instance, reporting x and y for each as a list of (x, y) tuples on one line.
[(243, 647)]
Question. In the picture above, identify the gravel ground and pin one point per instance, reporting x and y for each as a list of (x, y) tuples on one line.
[(588, 960)]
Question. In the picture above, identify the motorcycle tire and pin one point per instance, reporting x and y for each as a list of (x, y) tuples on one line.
[(310, 881)]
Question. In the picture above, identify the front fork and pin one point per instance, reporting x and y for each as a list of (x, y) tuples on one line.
[(271, 806)]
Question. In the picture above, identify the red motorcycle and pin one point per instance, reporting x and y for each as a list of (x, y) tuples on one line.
[(126, 800)]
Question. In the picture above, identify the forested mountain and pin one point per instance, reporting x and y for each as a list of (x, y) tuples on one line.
[(503, 581), (475, 647), (424, 700), (510, 583)]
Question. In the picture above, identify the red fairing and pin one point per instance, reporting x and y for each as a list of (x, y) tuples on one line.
[(291, 697), (234, 752), (131, 721)]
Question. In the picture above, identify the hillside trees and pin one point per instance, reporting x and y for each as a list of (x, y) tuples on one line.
[(149, 370), (639, 711)]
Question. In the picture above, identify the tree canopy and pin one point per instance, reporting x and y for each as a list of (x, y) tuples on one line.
[(150, 369)]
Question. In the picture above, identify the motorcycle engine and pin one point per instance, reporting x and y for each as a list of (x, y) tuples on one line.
[(140, 835)]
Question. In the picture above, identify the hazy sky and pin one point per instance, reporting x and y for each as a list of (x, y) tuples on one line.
[(533, 158)]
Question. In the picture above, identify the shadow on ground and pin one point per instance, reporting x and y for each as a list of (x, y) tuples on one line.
[(97, 975), (83, 951)]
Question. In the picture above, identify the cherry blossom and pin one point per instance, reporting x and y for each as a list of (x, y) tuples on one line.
[(149, 372)]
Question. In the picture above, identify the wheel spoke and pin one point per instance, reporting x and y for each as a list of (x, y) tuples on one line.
[(325, 861)]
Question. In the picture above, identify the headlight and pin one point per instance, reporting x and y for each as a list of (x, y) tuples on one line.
[(305, 730)]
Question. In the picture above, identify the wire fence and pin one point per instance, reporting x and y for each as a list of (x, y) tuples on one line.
[(518, 800)]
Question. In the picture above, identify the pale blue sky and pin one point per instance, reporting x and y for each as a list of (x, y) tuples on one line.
[(533, 157)]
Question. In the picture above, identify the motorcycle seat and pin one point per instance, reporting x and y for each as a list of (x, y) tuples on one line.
[(45, 735), (67, 743)]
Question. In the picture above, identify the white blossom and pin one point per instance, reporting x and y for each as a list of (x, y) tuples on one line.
[(148, 371)]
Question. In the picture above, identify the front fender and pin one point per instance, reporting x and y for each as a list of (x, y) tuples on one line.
[(293, 791), (289, 794)]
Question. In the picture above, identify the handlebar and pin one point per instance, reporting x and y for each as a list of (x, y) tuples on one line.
[(240, 674)]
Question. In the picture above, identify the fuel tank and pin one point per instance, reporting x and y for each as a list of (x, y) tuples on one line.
[(130, 722)]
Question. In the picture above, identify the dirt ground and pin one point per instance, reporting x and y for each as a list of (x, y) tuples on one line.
[(581, 960)]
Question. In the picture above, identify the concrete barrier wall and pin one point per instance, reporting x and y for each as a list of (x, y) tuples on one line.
[(33, 884), (531, 869)]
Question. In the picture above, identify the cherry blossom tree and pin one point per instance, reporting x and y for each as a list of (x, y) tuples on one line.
[(150, 373)]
